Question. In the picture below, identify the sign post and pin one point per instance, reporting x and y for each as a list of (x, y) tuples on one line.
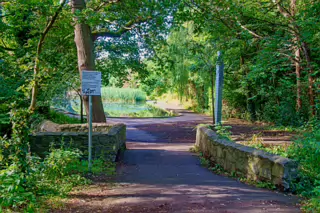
[(91, 85), (219, 87)]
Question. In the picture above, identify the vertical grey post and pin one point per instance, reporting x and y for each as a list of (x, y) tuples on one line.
[(219, 87), (90, 134)]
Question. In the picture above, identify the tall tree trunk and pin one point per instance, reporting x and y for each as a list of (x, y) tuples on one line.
[(86, 59), (298, 77), (297, 54), (251, 107), (35, 86), (311, 79)]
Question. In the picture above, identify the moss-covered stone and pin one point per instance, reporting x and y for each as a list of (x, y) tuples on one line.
[(105, 144), (253, 163)]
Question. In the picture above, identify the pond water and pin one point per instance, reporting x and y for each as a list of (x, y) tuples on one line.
[(73, 106), (125, 107)]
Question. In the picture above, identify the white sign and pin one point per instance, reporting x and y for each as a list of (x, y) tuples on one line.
[(91, 83)]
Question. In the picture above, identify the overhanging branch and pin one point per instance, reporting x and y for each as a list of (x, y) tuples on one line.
[(6, 48), (116, 34), (105, 3), (249, 31)]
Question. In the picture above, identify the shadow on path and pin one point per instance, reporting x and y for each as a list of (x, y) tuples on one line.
[(159, 174)]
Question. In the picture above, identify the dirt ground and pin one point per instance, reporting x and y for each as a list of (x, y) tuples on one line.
[(185, 132)]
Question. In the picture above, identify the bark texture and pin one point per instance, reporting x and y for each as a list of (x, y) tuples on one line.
[(86, 59)]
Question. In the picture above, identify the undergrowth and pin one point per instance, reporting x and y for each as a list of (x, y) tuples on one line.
[(51, 178), (306, 151), (61, 118), (29, 183)]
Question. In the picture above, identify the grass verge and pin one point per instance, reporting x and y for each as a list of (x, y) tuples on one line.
[(150, 112), (127, 95), (305, 150), (61, 118)]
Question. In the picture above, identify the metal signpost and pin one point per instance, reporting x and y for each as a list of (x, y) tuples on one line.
[(219, 87), (91, 85)]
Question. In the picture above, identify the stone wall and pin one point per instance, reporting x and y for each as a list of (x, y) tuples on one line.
[(250, 162), (96, 127), (107, 140)]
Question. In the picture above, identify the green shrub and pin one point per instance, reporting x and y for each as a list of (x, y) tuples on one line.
[(58, 160), (61, 118), (128, 95), (223, 131), (49, 177), (306, 151), (99, 166), (313, 205), (13, 193), (54, 176)]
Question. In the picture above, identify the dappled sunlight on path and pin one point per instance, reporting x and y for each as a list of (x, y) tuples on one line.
[(159, 174), (163, 177)]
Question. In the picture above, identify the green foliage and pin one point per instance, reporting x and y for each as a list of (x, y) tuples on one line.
[(204, 161), (313, 205), (127, 95), (13, 192), (57, 161), (261, 81), (4, 123), (47, 178), (99, 166), (194, 149), (305, 151), (185, 68), (223, 131), (150, 112), (27, 181), (53, 176), (57, 117), (16, 149), (61, 118), (257, 142)]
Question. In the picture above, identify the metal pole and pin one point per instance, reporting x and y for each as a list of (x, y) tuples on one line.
[(90, 134), (219, 87), (212, 94)]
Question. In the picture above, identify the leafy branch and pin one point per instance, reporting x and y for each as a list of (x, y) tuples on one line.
[(125, 28)]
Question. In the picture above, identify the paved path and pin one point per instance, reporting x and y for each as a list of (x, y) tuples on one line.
[(159, 174)]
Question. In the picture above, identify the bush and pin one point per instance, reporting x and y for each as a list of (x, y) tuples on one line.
[(306, 151), (46, 178)]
